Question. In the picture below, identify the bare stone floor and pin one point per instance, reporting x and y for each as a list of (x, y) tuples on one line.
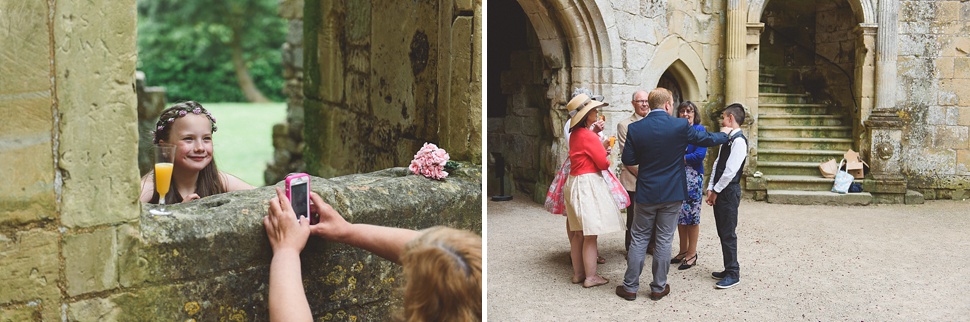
[(807, 263)]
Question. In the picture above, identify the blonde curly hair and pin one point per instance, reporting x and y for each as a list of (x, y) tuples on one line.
[(443, 267)]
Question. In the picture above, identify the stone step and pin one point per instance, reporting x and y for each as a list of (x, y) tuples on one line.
[(771, 88), (795, 197), (766, 78), (788, 119), (789, 168), (793, 109), (786, 131), (780, 98), (841, 144), (798, 155), (799, 182)]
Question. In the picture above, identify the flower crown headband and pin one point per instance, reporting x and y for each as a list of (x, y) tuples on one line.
[(177, 111)]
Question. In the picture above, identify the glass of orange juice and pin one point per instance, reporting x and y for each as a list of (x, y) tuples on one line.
[(164, 163)]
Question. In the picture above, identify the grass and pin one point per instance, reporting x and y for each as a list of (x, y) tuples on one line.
[(243, 144)]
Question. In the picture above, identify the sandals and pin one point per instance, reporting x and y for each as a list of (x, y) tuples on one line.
[(578, 280), (679, 258), (586, 284)]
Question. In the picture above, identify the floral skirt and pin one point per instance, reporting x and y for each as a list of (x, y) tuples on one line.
[(690, 214), (590, 206)]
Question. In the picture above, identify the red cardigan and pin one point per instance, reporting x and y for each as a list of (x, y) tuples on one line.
[(586, 153)]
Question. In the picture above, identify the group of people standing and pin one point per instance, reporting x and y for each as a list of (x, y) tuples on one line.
[(662, 173)]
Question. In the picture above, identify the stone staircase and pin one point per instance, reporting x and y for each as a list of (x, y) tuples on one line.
[(794, 136)]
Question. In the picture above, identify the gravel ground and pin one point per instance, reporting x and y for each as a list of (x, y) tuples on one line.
[(819, 263)]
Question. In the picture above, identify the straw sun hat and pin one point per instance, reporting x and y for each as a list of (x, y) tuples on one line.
[(579, 106)]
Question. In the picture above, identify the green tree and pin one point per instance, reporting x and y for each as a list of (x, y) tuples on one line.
[(196, 48)]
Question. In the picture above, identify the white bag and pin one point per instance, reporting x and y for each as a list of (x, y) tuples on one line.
[(842, 180)]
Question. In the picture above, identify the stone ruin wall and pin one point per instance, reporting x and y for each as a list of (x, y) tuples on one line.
[(934, 96), (75, 244), (383, 77), (933, 80), (288, 141)]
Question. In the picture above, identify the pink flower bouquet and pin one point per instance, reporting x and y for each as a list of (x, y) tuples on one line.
[(430, 162)]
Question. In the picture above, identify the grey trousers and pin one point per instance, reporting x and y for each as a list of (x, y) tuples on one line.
[(663, 217)]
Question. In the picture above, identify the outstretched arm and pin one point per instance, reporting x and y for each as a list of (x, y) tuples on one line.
[(287, 237), (704, 138), (386, 242)]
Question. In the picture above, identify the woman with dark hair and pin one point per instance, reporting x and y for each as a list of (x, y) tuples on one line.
[(589, 205), (189, 127), (688, 224)]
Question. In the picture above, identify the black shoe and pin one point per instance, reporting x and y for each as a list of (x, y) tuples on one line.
[(677, 259), (718, 275), (685, 264)]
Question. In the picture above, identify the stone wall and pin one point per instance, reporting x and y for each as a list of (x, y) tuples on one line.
[(68, 142), (288, 137), (383, 77), (210, 260), (934, 96)]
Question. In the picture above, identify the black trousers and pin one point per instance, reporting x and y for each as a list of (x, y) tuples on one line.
[(726, 220)]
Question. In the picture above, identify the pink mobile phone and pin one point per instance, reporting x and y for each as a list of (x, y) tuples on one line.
[(298, 190)]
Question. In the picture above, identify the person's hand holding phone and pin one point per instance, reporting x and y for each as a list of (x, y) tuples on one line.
[(332, 226), (285, 234)]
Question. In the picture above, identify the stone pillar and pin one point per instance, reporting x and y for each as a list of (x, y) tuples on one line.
[(884, 125), (288, 142), (886, 51), (736, 30), (864, 90)]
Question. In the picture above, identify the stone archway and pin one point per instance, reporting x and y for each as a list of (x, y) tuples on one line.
[(676, 57), (573, 50)]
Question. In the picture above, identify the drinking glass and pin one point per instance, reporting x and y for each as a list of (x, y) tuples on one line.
[(164, 163)]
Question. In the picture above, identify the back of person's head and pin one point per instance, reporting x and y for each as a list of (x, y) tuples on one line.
[(737, 110), (443, 268), (658, 97)]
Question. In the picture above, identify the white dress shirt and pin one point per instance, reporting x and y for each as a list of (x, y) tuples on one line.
[(739, 151)]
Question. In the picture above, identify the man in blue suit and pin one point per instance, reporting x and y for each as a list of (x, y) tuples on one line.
[(654, 152)]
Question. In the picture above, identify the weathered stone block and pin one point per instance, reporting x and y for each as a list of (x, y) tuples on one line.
[(105, 165), (463, 5), (91, 261), (913, 198), (26, 68), (963, 115), (963, 162), (21, 313), (290, 9), (28, 193), (29, 266), (955, 137)]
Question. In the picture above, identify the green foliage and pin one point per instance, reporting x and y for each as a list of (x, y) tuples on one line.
[(184, 45), (244, 143)]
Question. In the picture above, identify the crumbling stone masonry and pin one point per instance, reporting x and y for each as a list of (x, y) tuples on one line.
[(383, 77)]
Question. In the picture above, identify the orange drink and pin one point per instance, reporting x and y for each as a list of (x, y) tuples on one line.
[(612, 141), (164, 164), (163, 178)]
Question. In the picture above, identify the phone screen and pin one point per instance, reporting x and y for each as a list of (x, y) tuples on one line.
[(299, 200)]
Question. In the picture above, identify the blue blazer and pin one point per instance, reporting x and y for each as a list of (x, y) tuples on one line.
[(657, 144)]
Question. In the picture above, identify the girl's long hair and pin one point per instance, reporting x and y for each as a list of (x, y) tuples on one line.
[(443, 268), (209, 183)]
